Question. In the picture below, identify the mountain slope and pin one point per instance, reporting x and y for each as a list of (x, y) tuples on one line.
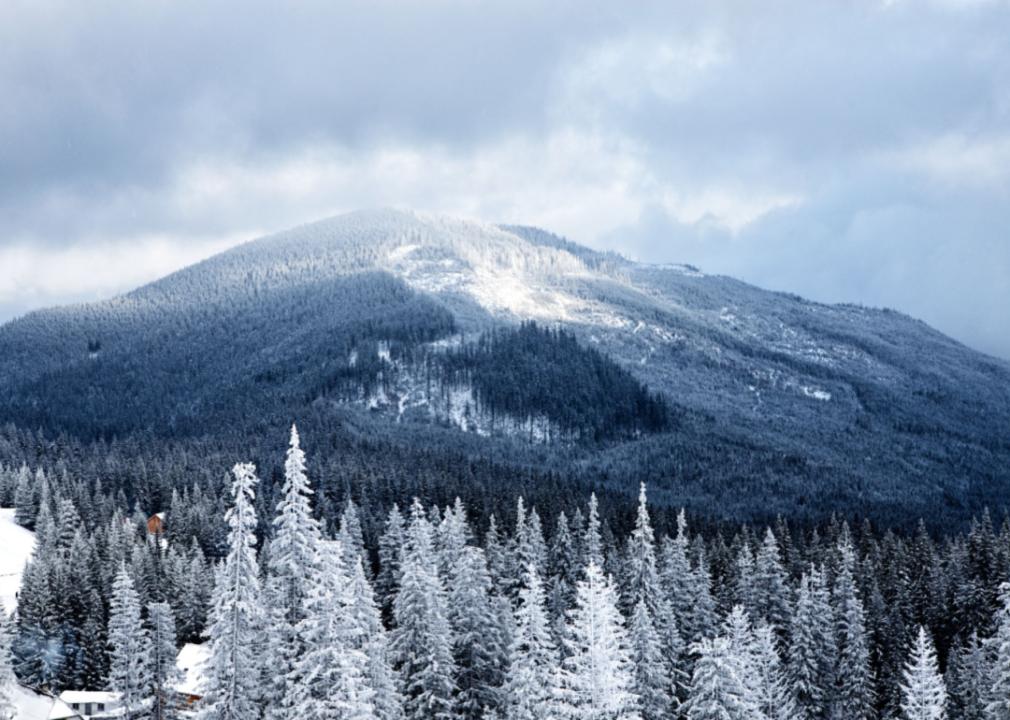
[(774, 404)]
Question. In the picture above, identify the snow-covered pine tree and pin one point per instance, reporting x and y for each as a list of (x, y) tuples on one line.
[(592, 541), (563, 576), (478, 646), (162, 652), (854, 683), (421, 642), (716, 691), (370, 637), (924, 695), (236, 616), (771, 597), (998, 702), (737, 630), (533, 657), (967, 680), (597, 677), (653, 684), (391, 542), (293, 565), (771, 688), (130, 671), (351, 536), (811, 651), (331, 676), (8, 681)]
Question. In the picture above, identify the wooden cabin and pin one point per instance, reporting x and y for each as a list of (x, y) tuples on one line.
[(156, 524)]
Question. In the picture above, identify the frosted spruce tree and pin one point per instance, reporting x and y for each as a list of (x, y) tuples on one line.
[(592, 542), (998, 704), (293, 566), (772, 693), (653, 683), (478, 645), (129, 651), (597, 681), (771, 597), (716, 691), (236, 617), (162, 652), (533, 657), (332, 672), (967, 680), (421, 642), (812, 647), (8, 682), (370, 638), (854, 682), (924, 695)]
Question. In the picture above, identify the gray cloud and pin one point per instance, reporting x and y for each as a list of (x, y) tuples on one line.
[(845, 151)]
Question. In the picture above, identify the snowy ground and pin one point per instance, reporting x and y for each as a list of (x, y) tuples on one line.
[(16, 546)]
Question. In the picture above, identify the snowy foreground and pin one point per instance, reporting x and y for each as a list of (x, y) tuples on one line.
[(16, 546)]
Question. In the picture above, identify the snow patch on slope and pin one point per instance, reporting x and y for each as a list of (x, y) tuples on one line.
[(18, 545)]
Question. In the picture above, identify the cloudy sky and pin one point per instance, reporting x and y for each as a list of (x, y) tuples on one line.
[(843, 150)]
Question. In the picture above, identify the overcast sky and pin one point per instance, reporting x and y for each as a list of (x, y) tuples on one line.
[(839, 149)]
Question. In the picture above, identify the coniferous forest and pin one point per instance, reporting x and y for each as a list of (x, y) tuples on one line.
[(322, 605)]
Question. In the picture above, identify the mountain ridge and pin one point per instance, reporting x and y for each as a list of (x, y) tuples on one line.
[(828, 405)]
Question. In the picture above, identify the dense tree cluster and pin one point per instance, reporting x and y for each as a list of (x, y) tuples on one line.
[(445, 612)]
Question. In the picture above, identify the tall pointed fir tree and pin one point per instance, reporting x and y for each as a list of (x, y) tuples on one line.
[(563, 575), (421, 642), (130, 671), (811, 649), (236, 616), (391, 543), (772, 693), (332, 673), (652, 619), (533, 657), (597, 680), (717, 692), (771, 596), (165, 675), (351, 536), (854, 696), (8, 681), (478, 646), (967, 680), (370, 637), (293, 565), (924, 695), (998, 705), (592, 541)]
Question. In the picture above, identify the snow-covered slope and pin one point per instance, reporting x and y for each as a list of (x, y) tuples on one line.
[(827, 400), (16, 547)]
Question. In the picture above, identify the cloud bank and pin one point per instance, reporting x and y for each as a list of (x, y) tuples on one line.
[(855, 151)]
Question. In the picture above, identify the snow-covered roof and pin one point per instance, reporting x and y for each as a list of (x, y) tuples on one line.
[(89, 696), (36, 705), (160, 516), (18, 545), (191, 661)]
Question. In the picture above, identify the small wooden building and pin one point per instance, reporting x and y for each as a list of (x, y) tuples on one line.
[(156, 524)]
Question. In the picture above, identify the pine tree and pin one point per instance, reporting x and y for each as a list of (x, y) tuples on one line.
[(592, 542), (370, 638), (351, 536), (164, 673), (771, 599), (236, 617), (562, 577), (771, 688), (130, 672), (812, 654), (8, 681), (923, 691), (478, 647), (421, 642), (391, 543), (653, 683), (967, 680), (331, 676), (533, 657), (597, 678), (998, 705), (717, 692), (293, 565), (854, 688)]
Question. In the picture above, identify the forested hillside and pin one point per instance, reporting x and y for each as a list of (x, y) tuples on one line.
[(430, 610), (404, 335)]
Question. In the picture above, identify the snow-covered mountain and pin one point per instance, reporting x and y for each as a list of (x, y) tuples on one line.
[(766, 393)]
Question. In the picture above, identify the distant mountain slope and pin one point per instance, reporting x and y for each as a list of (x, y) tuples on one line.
[(776, 403)]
